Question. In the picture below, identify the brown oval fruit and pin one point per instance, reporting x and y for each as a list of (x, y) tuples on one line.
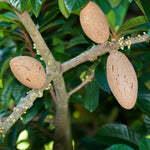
[(122, 79), (28, 71), (94, 23)]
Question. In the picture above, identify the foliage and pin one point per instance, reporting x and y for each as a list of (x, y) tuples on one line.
[(94, 110)]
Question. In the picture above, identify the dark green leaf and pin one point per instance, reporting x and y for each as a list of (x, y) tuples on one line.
[(19, 4), (104, 5), (36, 6), (5, 66), (145, 144), (101, 78), (137, 62), (146, 4), (32, 111), (147, 123), (143, 100), (75, 41), (63, 8), (115, 133), (119, 147), (132, 23), (92, 96), (18, 91), (52, 24), (120, 12), (138, 2), (6, 93), (74, 5)]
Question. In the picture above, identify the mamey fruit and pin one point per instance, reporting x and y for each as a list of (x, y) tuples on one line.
[(94, 23), (122, 79), (28, 71)]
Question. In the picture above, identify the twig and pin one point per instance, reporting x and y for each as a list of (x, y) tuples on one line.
[(53, 96), (42, 129), (82, 84)]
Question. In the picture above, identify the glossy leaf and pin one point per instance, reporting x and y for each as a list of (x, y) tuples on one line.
[(119, 147), (132, 23), (112, 22), (52, 24), (92, 96), (32, 111), (147, 123), (104, 5), (18, 91), (75, 41), (120, 12), (74, 5), (19, 4), (145, 4), (36, 6), (114, 3), (145, 144), (143, 100), (5, 66), (6, 93), (63, 8), (101, 78), (137, 62), (115, 133)]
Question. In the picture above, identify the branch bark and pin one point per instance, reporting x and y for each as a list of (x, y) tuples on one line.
[(81, 85), (99, 50)]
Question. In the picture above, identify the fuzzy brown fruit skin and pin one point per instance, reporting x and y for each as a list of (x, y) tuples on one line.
[(94, 23), (28, 71), (122, 79)]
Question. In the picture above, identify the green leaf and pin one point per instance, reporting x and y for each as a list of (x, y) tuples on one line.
[(19, 4), (114, 3), (132, 23), (120, 12), (143, 100), (116, 133), (119, 147), (145, 144), (32, 111), (5, 66), (104, 5), (138, 2), (58, 43), (112, 22), (101, 78), (147, 123), (18, 91), (74, 5), (137, 62), (146, 4), (4, 5), (52, 24), (1, 83), (63, 8), (6, 93), (75, 41), (36, 6), (92, 96)]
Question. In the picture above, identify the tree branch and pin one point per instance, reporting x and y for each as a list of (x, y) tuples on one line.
[(99, 50), (82, 84), (24, 104)]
